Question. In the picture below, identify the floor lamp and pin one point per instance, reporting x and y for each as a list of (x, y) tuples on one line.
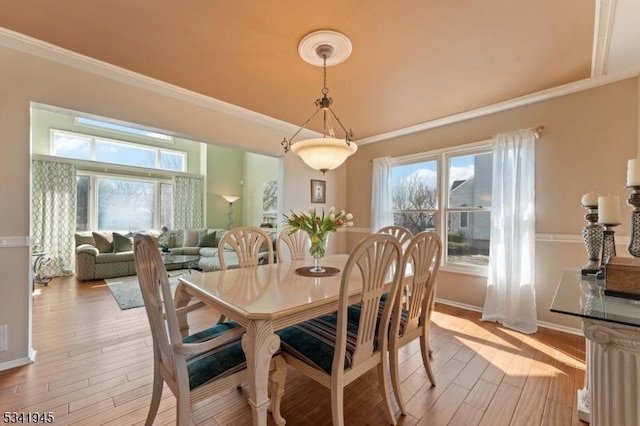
[(230, 199)]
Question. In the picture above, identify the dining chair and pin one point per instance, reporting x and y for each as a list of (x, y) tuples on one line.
[(250, 244), (400, 232), (197, 366), (334, 351), (293, 241), (404, 236), (412, 319)]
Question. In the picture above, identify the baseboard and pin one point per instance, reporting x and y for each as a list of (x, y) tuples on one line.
[(543, 324), (19, 362), (564, 329), (458, 305)]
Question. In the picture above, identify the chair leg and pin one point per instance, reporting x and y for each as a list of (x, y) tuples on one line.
[(426, 355), (395, 378), (337, 405), (222, 318), (156, 395), (384, 389), (183, 403), (277, 380)]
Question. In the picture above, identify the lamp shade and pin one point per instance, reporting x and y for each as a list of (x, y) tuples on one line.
[(231, 198), (324, 154)]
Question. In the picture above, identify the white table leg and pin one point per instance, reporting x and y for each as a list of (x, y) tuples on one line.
[(584, 394), (613, 356), (259, 343)]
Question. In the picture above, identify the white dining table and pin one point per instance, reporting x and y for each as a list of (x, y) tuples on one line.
[(265, 299)]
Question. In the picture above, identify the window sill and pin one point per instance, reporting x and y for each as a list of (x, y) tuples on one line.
[(478, 271)]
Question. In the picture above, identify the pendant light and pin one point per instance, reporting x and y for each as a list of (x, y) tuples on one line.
[(323, 48)]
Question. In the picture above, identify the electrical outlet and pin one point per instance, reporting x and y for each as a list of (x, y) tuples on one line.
[(3, 337)]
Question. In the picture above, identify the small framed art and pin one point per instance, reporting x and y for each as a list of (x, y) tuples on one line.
[(318, 188)]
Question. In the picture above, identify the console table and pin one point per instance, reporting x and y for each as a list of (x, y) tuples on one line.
[(611, 325)]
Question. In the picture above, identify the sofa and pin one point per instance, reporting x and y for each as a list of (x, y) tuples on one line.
[(107, 254)]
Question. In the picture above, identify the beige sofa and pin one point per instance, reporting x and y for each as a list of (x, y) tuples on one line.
[(102, 255)]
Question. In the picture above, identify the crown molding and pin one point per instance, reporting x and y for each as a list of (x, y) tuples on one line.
[(30, 45), (51, 52), (567, 89), (602, 35)]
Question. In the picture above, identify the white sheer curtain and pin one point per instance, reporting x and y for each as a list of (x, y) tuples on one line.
[(381, 202), (188, 192), (53, 215), (511, 296)]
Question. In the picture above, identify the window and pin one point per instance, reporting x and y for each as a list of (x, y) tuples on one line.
[(122, 128), (415, 195), (122, 203), (86, 147), (448, 192)]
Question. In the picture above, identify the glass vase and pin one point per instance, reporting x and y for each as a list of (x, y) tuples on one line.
[(318, 249)]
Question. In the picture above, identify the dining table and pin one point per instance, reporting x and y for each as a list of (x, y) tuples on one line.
[(265, 299)]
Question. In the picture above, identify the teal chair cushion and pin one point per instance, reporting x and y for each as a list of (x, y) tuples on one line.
[(354, 311), (314, 341), (218, 362)]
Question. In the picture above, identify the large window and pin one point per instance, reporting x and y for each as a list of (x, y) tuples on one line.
[(85, 147), (120, 203), (448, 192)]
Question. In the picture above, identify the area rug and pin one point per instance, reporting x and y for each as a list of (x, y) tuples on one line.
[(126, 290)]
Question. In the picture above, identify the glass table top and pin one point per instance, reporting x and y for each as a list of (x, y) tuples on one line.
[(583, 296)]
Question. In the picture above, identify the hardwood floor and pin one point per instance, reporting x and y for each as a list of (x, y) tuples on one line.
[(93, 367)]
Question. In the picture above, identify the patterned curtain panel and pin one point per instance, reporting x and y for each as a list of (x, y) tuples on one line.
[(187, 202), (53, 215)]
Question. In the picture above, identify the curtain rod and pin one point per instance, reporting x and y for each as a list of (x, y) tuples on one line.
[(537, 131)]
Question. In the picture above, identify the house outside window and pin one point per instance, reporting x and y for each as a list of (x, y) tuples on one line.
[(448, 192)]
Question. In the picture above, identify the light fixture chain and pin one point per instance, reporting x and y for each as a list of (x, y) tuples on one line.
[(325, 89)]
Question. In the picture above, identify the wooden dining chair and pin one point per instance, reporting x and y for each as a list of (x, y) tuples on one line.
[(404, 236), (293, 241), (334, 351), (412, 319), (197, 366), (400, 232), (250, 243)]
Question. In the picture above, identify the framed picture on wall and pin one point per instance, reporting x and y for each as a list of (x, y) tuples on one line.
[(318, 188)]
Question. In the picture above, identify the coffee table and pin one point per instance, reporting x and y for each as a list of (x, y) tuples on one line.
[(188, 261)]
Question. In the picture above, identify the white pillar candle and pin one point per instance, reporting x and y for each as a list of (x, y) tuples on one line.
[(590, 199), (609, 209), (633, 172)]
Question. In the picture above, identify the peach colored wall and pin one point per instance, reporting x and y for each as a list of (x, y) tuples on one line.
[(587, 139), (26, 78)]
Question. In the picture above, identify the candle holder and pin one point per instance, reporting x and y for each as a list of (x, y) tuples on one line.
[(608, 242), (634, 242), (593, 240)]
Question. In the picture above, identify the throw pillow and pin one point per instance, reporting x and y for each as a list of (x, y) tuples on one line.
[(206, 239), (190, 237), (84, 238), (177, 238), (121, 242), (104, 241), (164, 240)]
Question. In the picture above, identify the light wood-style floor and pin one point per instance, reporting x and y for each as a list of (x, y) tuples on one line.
[(93, 367)]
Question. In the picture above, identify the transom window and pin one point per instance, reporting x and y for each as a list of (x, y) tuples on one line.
[(87, 147), (448, 192)]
